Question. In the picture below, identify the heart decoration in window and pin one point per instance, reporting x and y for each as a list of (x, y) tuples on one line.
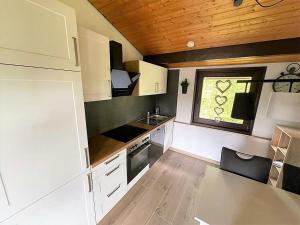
[(223, 86), (218, 110), (221, 100)]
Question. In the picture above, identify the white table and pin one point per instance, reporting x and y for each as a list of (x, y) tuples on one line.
[(227, 199)]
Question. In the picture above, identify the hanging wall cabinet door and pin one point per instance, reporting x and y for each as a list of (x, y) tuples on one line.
[(38, 33), (43, 137), (95, 65), (153, 78)]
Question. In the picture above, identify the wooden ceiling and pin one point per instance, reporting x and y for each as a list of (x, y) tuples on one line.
[(163, 26)]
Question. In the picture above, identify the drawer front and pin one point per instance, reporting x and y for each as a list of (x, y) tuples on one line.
[(114, 161), (111, 198), (113, 177), (111, 163)]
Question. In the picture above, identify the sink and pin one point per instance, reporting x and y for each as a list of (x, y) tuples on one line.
[(154, 120), (159, 118)]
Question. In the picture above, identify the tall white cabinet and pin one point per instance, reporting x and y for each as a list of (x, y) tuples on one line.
[(65, 206), (44, 163), (95, 65), (38, 33)]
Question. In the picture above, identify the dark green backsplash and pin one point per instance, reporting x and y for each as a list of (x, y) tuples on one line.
[(168, 102), (102, 116)]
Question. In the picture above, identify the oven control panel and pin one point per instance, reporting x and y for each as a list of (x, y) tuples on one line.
[(138, 143)]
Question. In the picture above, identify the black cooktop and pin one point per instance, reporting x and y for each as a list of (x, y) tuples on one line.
[(124, 133)]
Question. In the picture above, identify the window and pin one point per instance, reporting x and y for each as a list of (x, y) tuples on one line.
[(214, 97)]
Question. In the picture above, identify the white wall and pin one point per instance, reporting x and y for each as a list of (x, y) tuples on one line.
[(208, 142), (89, 17)]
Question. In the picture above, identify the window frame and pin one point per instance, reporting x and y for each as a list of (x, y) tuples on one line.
[(257, 73)]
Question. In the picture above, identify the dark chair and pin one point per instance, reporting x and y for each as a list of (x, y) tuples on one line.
[(253, 167), (291, 178)]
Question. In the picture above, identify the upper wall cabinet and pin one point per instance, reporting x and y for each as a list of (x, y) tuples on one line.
[(153, 79), (95, 65), (38, 33)]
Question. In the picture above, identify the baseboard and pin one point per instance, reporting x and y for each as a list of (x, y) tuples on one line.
[(195, 156)]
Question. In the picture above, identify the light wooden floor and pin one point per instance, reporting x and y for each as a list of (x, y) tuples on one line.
[(165, 195)]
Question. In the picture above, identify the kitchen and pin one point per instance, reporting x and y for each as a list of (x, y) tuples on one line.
[(104, 123)]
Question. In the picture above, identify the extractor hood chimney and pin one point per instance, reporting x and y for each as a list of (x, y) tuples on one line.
[(123, 82)]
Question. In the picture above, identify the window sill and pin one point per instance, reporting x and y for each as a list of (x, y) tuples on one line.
[(217, 128)]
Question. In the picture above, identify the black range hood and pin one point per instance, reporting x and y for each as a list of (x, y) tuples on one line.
[(123, 82)]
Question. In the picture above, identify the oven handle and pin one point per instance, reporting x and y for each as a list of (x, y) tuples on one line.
[(138, 151)]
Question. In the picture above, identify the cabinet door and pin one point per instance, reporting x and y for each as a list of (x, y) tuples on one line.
[(72, 204), (110, 183), (95, 65), (168, 135), (38, 33), (148, 79), (98, 198), (163, 77), (109, 188), (42, 133)]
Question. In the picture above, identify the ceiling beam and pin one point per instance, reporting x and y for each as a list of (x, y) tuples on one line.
[(238, 61), (259, 49)]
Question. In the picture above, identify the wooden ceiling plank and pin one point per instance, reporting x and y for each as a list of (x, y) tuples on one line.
[(177, 38), (159, 26), (207, 12), (229, 41), (248, 24), (210, 25)]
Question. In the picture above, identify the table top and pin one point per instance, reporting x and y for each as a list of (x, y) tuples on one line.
[(228, 199)]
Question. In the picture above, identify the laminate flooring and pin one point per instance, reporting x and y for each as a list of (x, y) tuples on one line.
[(165, 195)]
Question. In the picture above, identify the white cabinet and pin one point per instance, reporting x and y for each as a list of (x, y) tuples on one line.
[(168, 135), (153, 78), (68, 205), (110, 183), (161, 79), (42, 134), (95, 65), (38, 33)]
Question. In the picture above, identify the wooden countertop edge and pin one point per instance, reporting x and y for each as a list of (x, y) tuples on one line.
[(118, 149)]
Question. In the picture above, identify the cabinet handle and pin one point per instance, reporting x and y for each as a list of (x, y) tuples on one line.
[(111, 193), (76, 51), (109, 88), (90, 181), (87, 157), (113, 159), (110, 172), (3, 190)]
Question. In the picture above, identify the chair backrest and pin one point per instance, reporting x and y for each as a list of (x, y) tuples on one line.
[(291, 178), (253, 167)]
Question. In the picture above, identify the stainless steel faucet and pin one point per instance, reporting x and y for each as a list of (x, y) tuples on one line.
[(157, 110)]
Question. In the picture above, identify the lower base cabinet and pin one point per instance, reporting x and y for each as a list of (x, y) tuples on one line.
[(168, 135), (110, 177), (71, 204), (110, 184)]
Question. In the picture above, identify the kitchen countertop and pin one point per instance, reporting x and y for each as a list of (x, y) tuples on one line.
[(101, 147)]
